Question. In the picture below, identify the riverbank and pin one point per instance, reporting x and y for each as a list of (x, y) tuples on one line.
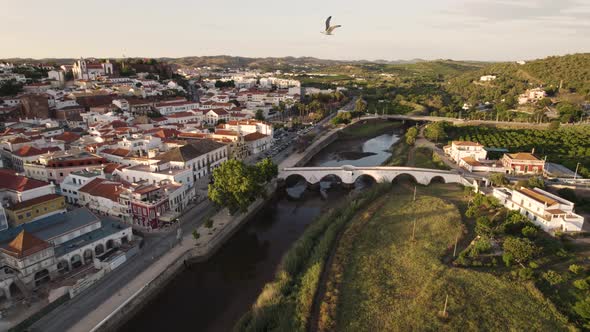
[(148, 284), (285, 303), (390, 276)]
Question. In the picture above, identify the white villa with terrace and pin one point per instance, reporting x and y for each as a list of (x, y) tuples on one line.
[(550, 212), (465, 149)]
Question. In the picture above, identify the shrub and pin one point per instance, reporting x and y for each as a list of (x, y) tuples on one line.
[(552, 277), (521, 250), (525, 273), (508, 259), (209, 223), (582, 308), (529, 231), (581, 284), (196, 234), (576, 269)]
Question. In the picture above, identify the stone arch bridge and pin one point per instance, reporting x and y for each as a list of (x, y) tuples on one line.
[(381, 174)]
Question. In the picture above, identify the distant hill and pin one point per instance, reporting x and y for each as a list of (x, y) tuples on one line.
[(572, 72)]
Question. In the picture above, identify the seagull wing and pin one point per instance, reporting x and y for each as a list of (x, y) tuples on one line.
[(332, 28), (328, 22)]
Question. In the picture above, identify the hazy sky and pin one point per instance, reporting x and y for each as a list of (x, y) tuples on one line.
[(372, 29)]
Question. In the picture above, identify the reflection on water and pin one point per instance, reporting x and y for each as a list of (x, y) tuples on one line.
[(213, 295), (373, 152)]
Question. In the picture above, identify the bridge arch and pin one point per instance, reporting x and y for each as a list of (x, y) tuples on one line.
[(437, 179), (293, 179), (331, 178), (366, 178), (404, 176)]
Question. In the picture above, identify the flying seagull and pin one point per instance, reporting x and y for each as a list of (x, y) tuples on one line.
[(329, 29)]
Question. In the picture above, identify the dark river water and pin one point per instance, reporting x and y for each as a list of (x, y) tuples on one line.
[(212, 296)]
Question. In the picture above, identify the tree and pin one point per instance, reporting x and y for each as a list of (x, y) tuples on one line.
[(266, 170), (411, 135), (259, 115), (234, 186), (536, 182), (10, 88), (435, 131), (224, 84), (196, 234), (544, 102), (360, 106), (569, 112), (554, 125), (498, 179), (520, 249)]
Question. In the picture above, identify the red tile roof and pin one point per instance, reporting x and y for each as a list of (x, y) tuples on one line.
[(116, 152), (68, 137), (111, 167), (103, 188), (254, 136), (25, 244), (9, 180)]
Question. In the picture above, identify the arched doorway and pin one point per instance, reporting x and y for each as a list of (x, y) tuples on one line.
[(63, 267), (110, 244), (76, 261), (124, 240), (87, 256), (99, 249), (41, 277)]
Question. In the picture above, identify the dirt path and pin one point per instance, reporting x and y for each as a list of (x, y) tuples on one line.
[(316, 308)]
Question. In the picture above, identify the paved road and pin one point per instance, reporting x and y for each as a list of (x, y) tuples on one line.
[(64, 317), (453, 120), (155, 246)]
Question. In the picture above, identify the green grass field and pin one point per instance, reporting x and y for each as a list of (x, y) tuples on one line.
[(390, 283), (425, 158)]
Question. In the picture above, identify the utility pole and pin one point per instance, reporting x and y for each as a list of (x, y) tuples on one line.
[(576, 173), (455, 250), (414, 231), (444, 312), (415, 187)]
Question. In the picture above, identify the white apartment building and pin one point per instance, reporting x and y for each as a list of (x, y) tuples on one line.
[(167, 108), (550, 212), (74, 181)]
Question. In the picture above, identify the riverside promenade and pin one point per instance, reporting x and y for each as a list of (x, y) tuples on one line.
[(129, 299)]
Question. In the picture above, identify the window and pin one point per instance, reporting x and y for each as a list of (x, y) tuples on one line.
[(61, 174), (28, 214), (20, 216)]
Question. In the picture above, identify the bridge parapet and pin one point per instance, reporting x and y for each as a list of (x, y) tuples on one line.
[(349, 174)]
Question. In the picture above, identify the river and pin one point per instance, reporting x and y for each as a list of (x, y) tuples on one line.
[(212, 296)]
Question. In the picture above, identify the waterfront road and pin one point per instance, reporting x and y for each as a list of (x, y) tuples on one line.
[(73, 314), (64, 317)]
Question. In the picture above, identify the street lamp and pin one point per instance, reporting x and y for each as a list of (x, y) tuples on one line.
[(576, 173)]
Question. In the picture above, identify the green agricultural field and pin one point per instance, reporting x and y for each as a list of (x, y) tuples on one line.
[(567, 146), (388, 282)]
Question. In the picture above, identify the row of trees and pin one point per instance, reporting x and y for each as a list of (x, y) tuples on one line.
[(236, 185)]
